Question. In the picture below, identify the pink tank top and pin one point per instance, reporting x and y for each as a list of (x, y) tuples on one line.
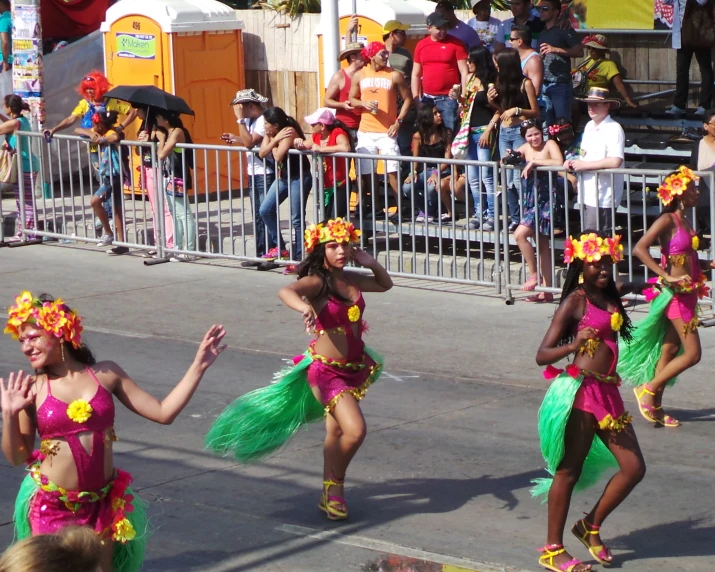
[(600, 320), (53, 422)]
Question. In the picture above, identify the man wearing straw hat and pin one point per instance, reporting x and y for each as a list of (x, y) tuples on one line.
[(248, 107), (602, 147), (337, 94)]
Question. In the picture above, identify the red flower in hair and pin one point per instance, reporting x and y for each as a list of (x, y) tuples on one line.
[(96, 118)]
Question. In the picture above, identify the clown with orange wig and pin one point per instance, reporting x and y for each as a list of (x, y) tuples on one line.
[(330, 378), (667, 341), (69, 403)]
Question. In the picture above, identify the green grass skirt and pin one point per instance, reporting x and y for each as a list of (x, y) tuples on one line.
[(128, 557), (553, 416), (637, 360), (263, 420)]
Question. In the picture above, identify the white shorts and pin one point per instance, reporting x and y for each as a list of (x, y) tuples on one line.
[(377, 143)]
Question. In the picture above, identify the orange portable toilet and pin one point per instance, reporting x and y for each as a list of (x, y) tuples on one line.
[(191, 48)]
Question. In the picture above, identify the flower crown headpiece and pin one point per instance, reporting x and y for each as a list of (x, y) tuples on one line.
[(335, 230), (592, 248), (54, 317), (676, 184)]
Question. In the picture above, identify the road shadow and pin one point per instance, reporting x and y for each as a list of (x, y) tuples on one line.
[(667, 540), (693, 415)]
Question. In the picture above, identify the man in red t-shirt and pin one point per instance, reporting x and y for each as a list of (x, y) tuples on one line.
[(440, 64)]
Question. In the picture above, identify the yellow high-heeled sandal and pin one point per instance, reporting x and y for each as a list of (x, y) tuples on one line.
[(551, 551), (667, 420), (599, 552), (331, 505), (646, 411)]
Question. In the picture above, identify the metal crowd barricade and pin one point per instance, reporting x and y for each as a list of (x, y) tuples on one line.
[(414, 230), (631, 217), (62, 209)]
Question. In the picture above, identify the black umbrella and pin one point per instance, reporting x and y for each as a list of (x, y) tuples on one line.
[(151, 96)]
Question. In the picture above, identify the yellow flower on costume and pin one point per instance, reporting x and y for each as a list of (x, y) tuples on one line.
[(118, 504), (616, 321), (695, 242), (79, 411), (124, 531), (354, 314)]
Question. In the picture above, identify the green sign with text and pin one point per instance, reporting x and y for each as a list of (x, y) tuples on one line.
[(138, 46)]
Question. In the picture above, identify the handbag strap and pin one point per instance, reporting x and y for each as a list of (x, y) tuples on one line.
[(593, 65)]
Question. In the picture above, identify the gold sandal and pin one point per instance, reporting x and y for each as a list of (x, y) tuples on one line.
[(599, 552), (551, 551), (334, 507), (647, 411)]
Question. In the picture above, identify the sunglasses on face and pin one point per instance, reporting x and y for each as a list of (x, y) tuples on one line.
[(384, 54), (513, 39), (544, 8)]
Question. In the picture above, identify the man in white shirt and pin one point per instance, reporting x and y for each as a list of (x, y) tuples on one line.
[(602, 147), (488, 28), (248, 107)]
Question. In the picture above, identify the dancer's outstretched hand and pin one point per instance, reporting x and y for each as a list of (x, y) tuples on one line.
[(210, 347), (17, 393)]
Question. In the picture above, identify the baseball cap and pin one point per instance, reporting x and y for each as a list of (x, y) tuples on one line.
[(436, 20), (321, 115), (392, 25)]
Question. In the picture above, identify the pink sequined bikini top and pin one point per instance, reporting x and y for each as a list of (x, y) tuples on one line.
[(336, 314), (600, 320), (681, 244), (53, 422)]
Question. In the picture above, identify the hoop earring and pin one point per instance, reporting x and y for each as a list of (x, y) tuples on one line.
[(580, 278), (62, 349)]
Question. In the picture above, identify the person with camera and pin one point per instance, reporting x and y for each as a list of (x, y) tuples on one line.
[(542, 204)]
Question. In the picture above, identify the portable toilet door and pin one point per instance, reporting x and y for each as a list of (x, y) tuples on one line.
[(193, 49)]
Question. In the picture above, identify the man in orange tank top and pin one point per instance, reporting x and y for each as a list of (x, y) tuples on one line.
[(374, 91)]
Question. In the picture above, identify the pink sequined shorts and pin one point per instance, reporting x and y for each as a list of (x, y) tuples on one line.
[(334, 378), (599, 395)]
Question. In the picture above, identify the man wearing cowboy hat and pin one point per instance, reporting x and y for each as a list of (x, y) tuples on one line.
[(248, 107), (337, 94), (602, 147), (601, 71)]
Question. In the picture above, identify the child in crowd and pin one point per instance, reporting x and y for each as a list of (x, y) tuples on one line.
[(330, 135), (104, 134), (73, 548)]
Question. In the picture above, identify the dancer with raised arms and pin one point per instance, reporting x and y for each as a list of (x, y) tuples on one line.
[(69, 402)]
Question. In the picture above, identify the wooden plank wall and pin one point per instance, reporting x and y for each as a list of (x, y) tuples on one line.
[(282, 60)]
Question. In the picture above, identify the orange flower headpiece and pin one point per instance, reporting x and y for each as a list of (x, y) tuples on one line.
[(675, 184), (55, 318), (592, 248), (335, 230)]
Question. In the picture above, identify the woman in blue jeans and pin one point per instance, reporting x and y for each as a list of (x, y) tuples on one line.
[(482, 122), (293, 180), (515, 97)]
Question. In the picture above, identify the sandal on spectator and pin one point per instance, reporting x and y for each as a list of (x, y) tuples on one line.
[(540, 298), (530, 283)]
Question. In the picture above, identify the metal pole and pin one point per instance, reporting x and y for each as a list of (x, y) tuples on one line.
[(354, 35), (27, 70), (331, 38)]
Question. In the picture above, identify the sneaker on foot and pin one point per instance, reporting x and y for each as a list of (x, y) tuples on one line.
[(117, 250), (290, 269), (700, 111), (488, 224), (673, 110), (513, 226), (106, 240), (273, 254), (474, 224), (420, 217)]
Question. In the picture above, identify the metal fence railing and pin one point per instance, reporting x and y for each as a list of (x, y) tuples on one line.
[(459, 221)]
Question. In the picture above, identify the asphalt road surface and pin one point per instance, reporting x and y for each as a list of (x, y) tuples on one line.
[(444, 474)]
